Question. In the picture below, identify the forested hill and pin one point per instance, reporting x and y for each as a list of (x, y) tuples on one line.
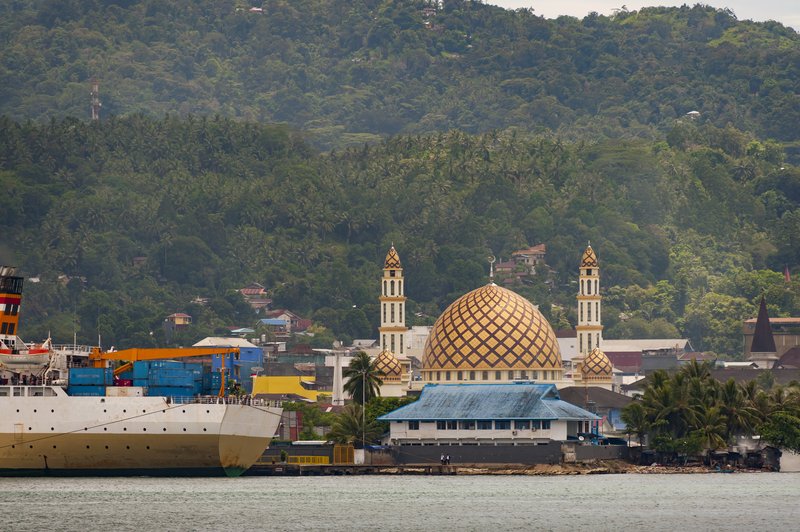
[(130, 219), (346, 71)]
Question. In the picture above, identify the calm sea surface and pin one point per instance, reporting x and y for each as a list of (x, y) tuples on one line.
[(758, 501)]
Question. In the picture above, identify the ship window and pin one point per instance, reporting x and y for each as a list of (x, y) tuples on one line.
[(10, 328), (4, 329)]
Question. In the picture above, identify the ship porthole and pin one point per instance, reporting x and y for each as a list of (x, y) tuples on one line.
[(148, 447), (18, 410), (51, 410), (144, 429), (87, 446), (128, 447), (31, 446), (105, 428), (184, 411), (124, 411), (104, 410), (204, 429), (34, 410), (54, 446), (184, 429), (52, 428), (29, 428), (144, 411), (165, 429), (124, 429), (106, 446)]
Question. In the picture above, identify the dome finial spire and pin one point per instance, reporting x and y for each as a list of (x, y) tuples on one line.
[(491, 260)]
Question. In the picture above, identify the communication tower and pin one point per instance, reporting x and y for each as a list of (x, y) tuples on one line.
[(95, 99)]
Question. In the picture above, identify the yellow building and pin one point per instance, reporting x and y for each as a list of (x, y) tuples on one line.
[(292, 385)]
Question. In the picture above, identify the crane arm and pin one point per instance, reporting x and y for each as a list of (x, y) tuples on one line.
[(135, 354)]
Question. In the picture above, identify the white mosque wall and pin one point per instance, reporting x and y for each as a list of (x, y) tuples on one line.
[(399, 432)]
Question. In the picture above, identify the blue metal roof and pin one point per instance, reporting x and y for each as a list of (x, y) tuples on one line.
[(489, 401), (272, 321)]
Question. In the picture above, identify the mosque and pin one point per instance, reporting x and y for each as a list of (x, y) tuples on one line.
[(491, 335)]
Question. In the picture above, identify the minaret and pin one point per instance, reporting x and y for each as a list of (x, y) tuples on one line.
[(589, 329), (393, 305), (762, 350)]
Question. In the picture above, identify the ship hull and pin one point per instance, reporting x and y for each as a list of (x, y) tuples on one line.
[(66, 435)]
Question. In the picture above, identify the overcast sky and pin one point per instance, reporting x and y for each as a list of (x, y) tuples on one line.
[(785, 11)]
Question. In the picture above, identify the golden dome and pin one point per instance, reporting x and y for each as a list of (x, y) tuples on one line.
[(589, 259), (388, 366), (392, 261), (596, 365), (491, 328)]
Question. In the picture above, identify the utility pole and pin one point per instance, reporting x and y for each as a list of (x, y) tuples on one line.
[(95, 99)]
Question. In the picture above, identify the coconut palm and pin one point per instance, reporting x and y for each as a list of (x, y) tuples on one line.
[(351, 426), (363, 378), (710, 427)]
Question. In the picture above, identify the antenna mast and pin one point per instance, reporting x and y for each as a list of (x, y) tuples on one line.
[(95, 99)]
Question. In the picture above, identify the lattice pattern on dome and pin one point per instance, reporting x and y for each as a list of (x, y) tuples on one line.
[(491, 328), (389, 366), (589, 259), (392, 261), (597, 364)]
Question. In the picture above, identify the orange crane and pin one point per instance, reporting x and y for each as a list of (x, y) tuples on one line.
[(100, 358)]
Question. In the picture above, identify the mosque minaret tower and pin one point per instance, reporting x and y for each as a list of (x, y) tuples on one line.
[(589, 329), (393, 305)]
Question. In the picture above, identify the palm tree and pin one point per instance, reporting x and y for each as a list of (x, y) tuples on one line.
[(636, 421), (351, 426), (363, 378), (710, 427)]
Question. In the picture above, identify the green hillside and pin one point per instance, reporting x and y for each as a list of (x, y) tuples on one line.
[(290, 145), (145, 215), (348, 71)]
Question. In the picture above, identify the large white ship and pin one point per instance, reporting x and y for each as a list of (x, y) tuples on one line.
[(47, 426)]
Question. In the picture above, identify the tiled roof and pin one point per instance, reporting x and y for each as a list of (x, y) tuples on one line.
[(489, 401)]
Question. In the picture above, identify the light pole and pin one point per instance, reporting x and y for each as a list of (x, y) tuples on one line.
[(363, 409)]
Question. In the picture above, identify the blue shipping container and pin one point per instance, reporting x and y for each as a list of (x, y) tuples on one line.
[(94, 391), (170, 391), (91, 376)]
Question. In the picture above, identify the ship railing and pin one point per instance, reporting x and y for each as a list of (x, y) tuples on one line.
[(211, 400)]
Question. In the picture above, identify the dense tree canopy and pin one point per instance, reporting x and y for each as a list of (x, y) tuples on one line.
[(128, 220), (346, 71), (456, 133)]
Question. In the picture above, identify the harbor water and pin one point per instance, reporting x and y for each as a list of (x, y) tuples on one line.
[(740, 501)]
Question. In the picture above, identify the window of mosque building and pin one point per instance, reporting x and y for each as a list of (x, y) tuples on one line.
[(534, 375), (522, 424), (391, 273), (391, 288), (485, 376), (589, 312), (511, 375), (523, 375), (460, 376), (589, 272), (466, 425), (472, 375), (452, 425), (413, 425), (485, 424), (502, 424), (438, 375), (447, 375), (392, 312), (498, 375)]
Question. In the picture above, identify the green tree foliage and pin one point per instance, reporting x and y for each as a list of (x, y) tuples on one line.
[(134, 218), (362, 378), (689, 411), (349, 72)]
